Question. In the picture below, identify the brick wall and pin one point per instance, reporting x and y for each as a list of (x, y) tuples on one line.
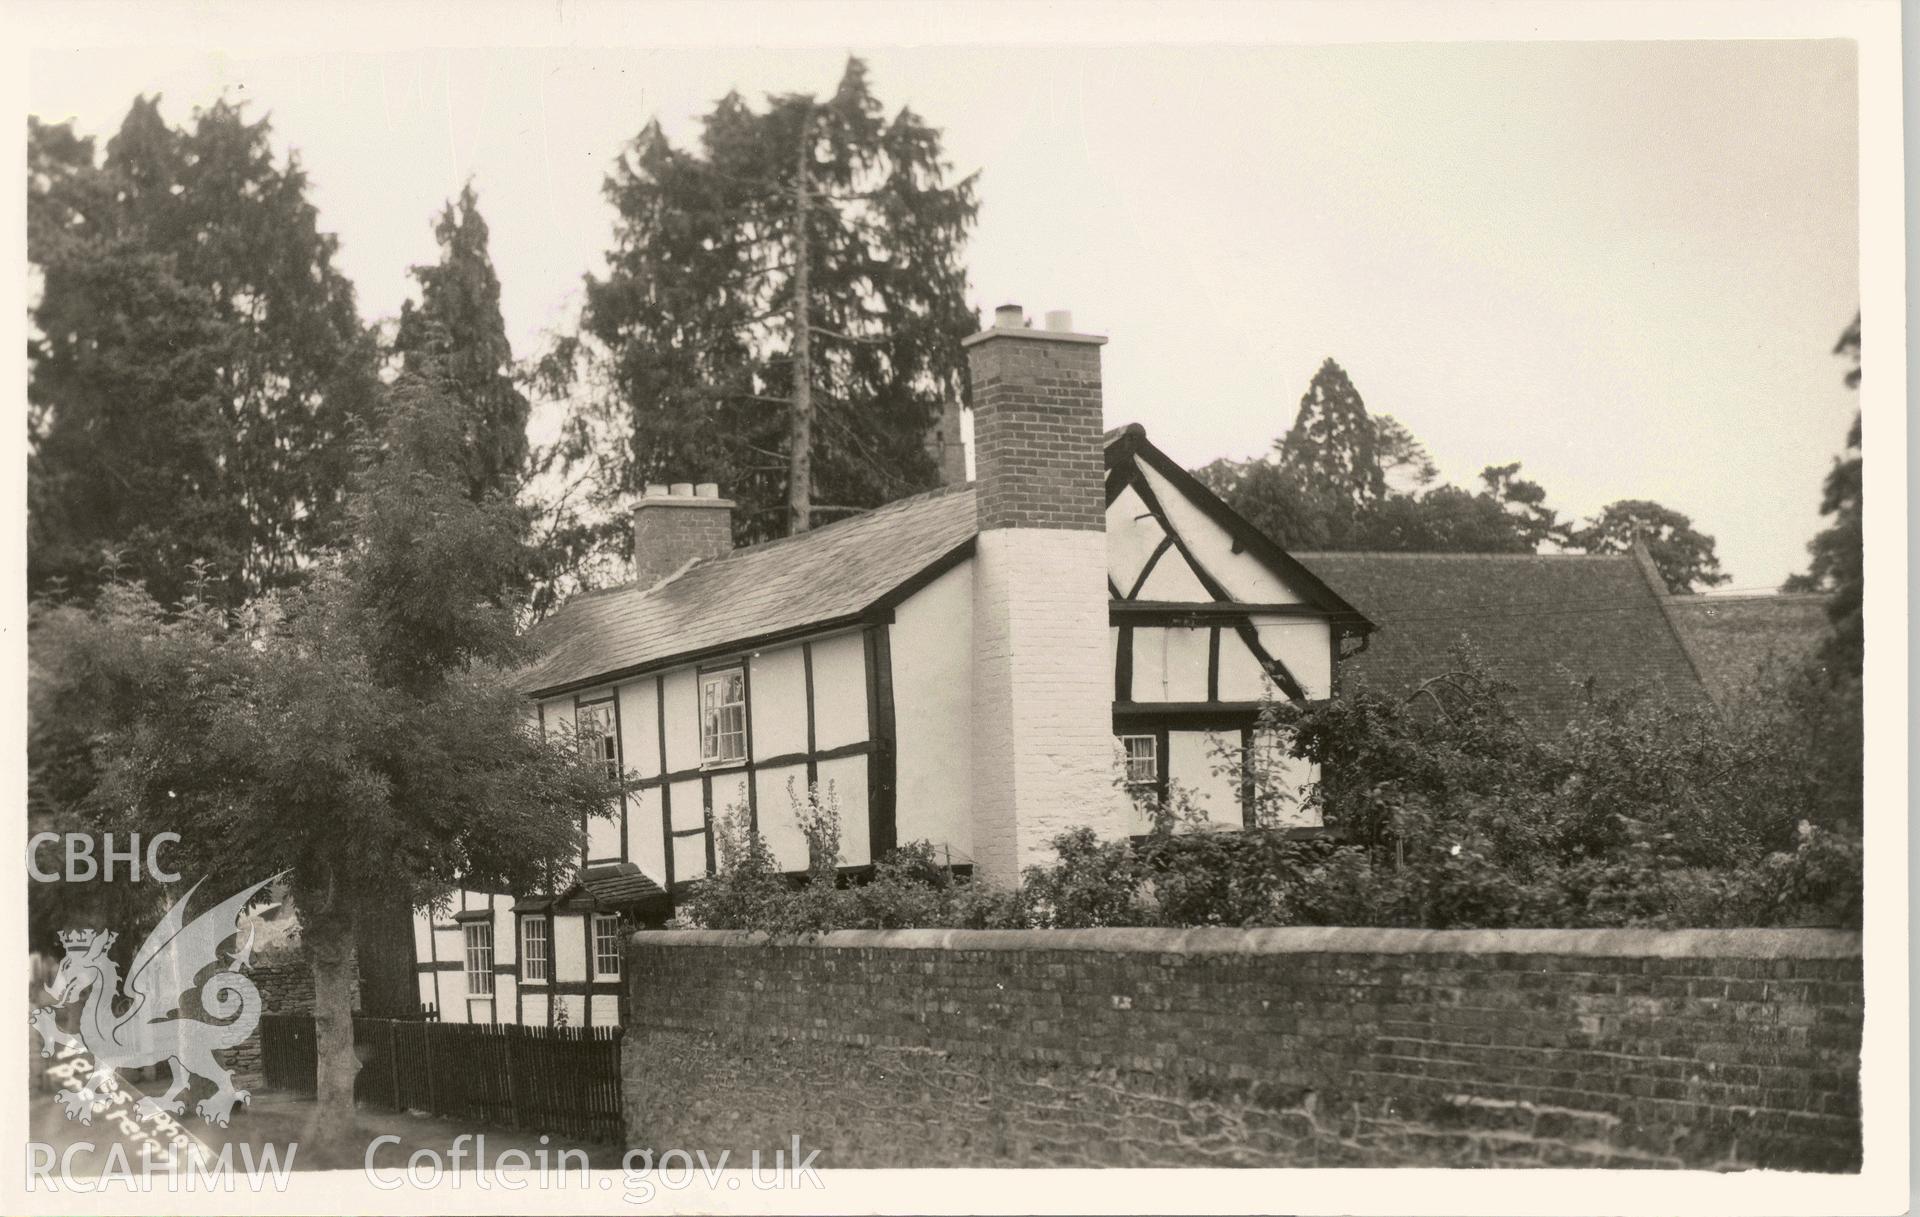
[(1038, 461), (1288, 1047), (670, 530)]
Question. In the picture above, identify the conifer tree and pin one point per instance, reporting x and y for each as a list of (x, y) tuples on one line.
[(195, 358), (783, 307), (457, 327), (1333, 445)]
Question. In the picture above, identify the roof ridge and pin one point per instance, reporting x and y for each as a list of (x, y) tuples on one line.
[(633, 587), (1738, 597), (1477, 555), (871, 512)]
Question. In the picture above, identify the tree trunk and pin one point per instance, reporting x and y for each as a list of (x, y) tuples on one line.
[(383, 957), (800, 419), (329, 940)]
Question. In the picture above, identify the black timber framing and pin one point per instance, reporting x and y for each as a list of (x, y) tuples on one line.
[(881, 823), (666, 788), (1279, 671), (1130, 449)]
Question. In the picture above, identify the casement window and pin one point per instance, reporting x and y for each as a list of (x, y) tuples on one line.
[(1142, 756), (723, 716), (606, 945), (534, 943), (597, 736), (479, 959)]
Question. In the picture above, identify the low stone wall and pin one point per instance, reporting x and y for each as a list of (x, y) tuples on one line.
[(285, 981), (1277, 1047)]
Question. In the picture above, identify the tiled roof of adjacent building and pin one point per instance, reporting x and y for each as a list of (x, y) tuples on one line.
[(1731, 638), (1546, 624), (830, 575)]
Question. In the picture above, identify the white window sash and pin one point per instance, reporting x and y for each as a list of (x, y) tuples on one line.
[(536, 954), (479, 960), (606, 946), (723, 716)]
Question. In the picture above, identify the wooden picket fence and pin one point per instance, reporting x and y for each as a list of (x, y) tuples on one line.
[(564, 1081)]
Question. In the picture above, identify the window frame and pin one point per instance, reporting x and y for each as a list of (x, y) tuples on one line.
[(1153, 754), (601, 712), (486, 988), (612, 922), (707, 676), (545, 954)]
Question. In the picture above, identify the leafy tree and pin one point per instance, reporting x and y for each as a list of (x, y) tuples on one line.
[(457, 327), (1684, 555), (195, 358), (1280, 503), (782, 311), (357, 732), (1344, 479), (1838, 553)]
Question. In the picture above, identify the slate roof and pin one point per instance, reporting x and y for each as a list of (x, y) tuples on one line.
[(1731, 638), (1545, 624), (610, 887), (829, 575)]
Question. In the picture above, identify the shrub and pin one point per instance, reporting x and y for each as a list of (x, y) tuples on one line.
[(1445, 812)]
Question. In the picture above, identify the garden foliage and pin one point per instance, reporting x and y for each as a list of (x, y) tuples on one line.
[(1441, 810)]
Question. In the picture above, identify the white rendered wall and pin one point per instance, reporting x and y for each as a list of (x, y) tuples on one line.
[(931, 644), (1245, 578), (1043, 696), (1195, 764)]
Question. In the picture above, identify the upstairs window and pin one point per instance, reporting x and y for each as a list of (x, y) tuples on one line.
[(597, 736), (1142, 756), (533, 948), (479, 959), (723, 716), (606, 945)]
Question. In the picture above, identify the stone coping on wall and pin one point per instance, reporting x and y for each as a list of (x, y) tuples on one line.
[(1331, 940)]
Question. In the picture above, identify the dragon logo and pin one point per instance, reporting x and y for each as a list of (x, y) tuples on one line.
[(148, 1028)]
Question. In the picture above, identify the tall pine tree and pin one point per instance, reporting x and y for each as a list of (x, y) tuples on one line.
[(195, 359), (783, 306), (1333, 445), (457, 335)]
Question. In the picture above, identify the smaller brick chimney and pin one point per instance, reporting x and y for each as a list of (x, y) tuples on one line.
[(946, 447), (674, 525)]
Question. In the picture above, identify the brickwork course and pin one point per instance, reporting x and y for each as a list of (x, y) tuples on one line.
[(1037, 430), (1290, 1047)]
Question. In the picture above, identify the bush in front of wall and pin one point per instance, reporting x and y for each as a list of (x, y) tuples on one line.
[(1443, 813)]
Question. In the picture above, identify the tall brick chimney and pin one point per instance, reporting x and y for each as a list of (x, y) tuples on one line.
[(1043, 668), (673, 525)]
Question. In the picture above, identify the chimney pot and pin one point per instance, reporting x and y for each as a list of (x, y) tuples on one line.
[(655, 489), (706, 490), (1060, 321), (681, 490), (1009, 317)]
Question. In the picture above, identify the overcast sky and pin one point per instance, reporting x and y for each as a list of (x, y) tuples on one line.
[(1622, 264)]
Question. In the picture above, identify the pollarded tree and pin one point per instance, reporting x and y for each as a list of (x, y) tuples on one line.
[(1683, 553), (195, 358), (358, 732), (783, 306), (457, 327)]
